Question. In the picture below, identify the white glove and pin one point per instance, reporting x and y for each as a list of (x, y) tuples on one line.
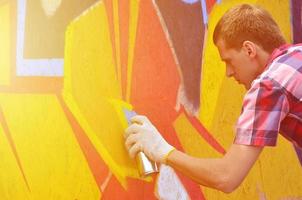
[(141, 135)]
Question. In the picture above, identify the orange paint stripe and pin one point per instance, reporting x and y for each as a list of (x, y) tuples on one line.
[(116, 26), (204, 132), (13, 146), (34, 85), (96, 164), (132, 29), (124, 36)]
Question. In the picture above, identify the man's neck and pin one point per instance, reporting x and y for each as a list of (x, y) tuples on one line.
[(263, 58)]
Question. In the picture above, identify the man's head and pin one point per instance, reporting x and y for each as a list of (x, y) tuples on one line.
[(245, 36)]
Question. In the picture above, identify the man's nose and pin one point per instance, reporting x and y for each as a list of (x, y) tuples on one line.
[(229, 71)]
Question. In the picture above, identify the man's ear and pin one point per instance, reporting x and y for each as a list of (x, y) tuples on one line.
[(249, 48)]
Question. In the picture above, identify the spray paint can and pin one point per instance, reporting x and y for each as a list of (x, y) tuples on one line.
[(145, 166)]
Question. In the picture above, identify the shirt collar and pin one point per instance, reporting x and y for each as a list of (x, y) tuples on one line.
[(278, 52)]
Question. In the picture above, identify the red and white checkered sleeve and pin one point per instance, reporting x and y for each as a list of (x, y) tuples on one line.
[(264, 107)]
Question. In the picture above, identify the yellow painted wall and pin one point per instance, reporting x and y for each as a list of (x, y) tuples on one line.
[(53, 164)]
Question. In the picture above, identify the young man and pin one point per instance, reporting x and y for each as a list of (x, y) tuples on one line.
[(251, 45)]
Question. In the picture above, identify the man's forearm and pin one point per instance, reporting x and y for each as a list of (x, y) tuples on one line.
[(207, 172), (224, 174)]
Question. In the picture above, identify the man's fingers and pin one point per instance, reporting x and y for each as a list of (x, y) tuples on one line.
[(139, 119), (132, 129), (131, 140), (135, 149), (132, 134)]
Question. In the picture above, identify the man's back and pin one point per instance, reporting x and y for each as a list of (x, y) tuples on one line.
[(286, 70), (274, 101)]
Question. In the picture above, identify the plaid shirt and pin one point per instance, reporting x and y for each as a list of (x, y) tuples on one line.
[(273, 104)]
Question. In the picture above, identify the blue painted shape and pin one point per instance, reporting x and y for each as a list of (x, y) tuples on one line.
[(299, 154), (204, 11), (129, 114)]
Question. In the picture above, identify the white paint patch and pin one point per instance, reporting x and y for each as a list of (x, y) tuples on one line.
[(50, 6), (169, 186)]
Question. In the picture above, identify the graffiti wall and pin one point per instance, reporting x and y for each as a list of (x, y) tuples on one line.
[(69, 69)]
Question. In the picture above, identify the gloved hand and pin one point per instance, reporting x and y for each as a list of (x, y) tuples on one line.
[(141, 135)]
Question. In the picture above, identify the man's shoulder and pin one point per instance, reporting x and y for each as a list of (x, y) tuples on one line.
[(291, 57), (286, 71)]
